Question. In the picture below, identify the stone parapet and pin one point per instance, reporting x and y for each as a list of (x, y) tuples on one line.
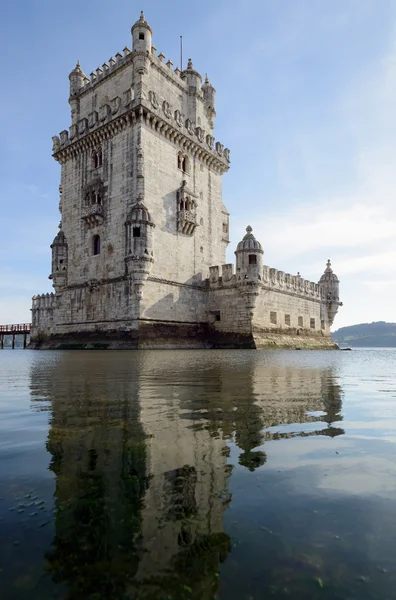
[(269, 278)]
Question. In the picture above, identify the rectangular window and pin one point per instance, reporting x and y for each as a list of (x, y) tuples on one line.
[(252, 259), (136, 232), (287, 320), (225, 228), (312, 323), (322, 324), (217, 316), (301, 321), (273, 318)]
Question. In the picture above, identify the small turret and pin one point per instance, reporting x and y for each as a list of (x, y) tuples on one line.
[(59, 262), (77, 78), (141, 35), (329, 285), (139, 245), (249, 257), (209, 93), (192, 76)]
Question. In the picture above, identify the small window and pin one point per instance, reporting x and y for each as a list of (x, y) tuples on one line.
[(179, 161), (312, 323), (225, 228), (273, 318), (287, 320), (96, 245), (97, 159), (61, 263), (186, 165), (217, 315), (141, 36), (252, 259), (301, 321), (136, 232), (322, 325)]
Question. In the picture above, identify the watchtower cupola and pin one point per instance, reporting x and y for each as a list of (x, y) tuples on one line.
[(193, 78), (59, 262), (209, 93), (249, 256), (329, 286), (141, 35), (76, 78)]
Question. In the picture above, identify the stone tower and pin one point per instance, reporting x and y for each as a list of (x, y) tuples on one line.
[(139, 260)]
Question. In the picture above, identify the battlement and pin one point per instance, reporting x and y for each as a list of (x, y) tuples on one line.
[(267, 277), (43, 301)]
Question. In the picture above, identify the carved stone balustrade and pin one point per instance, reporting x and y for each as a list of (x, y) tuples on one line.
[(187, 222), (93, 214)]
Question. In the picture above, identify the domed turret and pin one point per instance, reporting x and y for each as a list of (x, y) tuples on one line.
[(193, 78), (139, 245), (76, 78), (141, 35), (329, 285), (209, 97), (59, 261), (249, 256)]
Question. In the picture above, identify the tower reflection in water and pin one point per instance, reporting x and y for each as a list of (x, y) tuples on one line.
[(139, 446)]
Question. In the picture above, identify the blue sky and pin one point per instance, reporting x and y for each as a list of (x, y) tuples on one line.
[(306, 101)]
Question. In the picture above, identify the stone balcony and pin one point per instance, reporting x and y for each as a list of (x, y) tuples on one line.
[(187, 222), (93, 214)]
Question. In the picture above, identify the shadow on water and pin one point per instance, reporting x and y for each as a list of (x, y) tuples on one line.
[(193, 475)]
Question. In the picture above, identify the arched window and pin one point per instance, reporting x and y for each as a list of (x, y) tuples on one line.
[(96, 245), (179, 161), (97, 158)]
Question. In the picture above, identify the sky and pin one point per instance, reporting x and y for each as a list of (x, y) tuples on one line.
[(306, 102)]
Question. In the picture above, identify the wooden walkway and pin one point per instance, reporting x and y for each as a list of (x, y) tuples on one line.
[(14, 330)]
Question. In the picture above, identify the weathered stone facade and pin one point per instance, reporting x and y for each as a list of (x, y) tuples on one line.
[(143, 223)]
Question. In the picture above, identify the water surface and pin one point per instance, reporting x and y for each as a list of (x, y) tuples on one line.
[(197, 475)]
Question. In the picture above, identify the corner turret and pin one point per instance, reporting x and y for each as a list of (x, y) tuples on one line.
[(59, 262), (209, 93), (139, 245), (329, 286), (192, 77), (76, 77), (141, 35), (249, 257)]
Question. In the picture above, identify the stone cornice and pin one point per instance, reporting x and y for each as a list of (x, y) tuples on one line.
[(144, 115)]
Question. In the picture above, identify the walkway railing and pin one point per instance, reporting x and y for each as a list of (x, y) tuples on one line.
[(14, 330)]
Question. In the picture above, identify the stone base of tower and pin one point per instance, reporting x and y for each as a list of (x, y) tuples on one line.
[(167, 336), (294, 339), (145, 335)]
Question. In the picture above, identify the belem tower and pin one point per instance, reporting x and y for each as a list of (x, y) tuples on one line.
[(140, 258)]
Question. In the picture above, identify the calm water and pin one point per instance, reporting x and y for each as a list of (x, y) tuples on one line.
[(224, 474)]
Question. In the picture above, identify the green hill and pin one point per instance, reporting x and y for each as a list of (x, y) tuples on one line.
[(378, 334)]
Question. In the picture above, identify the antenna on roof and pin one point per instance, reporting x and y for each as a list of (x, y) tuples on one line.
[(181, 53)]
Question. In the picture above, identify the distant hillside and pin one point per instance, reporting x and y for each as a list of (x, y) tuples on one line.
[(379, 334)]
